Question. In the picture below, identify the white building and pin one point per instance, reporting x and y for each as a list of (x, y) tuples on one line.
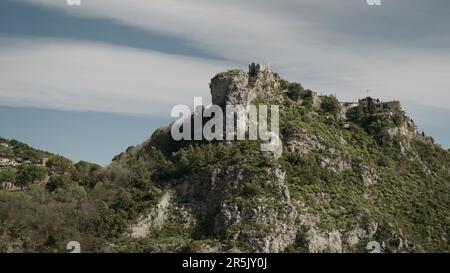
[(7, 186), (5, 162)]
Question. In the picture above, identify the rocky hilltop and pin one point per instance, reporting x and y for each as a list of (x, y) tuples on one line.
[(351, 174), (345, 178)]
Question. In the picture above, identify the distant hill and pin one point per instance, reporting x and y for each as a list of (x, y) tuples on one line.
[(22, 166), (13, 149)]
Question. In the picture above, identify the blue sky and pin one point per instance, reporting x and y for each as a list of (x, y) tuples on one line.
[(92, 136), (110, 66)]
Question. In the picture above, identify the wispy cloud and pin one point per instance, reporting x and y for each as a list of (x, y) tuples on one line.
[(98, 77), (330, 46), (19, 19)]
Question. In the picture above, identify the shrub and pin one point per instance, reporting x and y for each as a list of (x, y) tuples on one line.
[(329, 104), (58, 181), (295, 91), (251, 189)]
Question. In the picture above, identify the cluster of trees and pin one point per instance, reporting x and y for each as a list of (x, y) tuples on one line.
[(58, 172), (23, 176), (63, 172), (296, 92), (30, 174), (330, 105)]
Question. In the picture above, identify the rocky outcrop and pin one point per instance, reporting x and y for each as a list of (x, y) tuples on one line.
[(236, 87), (262, 228), (314, 239), (323, 241), (369, 175), (358, 234), (263, 221), (154, 220), (406, 130), (231, 88), (304, 143)]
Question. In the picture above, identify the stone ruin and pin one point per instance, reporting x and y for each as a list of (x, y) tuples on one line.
[(255, 70)]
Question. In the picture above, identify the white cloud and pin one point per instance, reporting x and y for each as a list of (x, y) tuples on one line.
[(297, 37), (97, 77)]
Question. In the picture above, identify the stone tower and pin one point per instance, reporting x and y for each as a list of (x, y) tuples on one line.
[(255, 69)]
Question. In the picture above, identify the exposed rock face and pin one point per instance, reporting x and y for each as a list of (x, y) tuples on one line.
[(231, 88), (304, 143), (406, 130), (154, 220), (237, 87), (314, 239), (264, 228), (323, 241), (266, 223), (355, 236), (369, 176)]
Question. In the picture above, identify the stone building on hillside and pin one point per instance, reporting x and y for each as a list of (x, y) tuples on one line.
[(375, 106), (44, 161)]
